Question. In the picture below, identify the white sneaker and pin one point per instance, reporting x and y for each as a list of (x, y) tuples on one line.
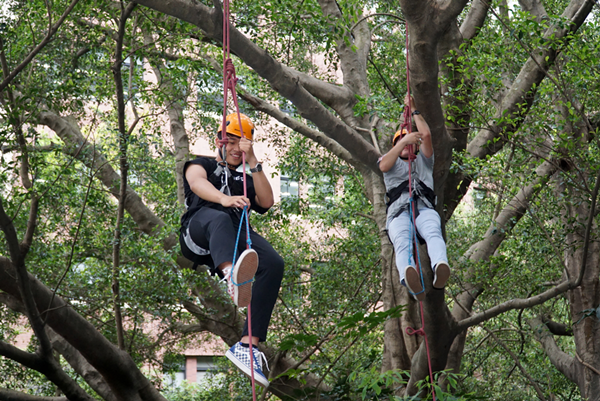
[(441, 274), (240, 356), (413, 282), (241, 277)]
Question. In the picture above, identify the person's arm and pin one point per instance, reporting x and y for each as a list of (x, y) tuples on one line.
[(264, 192), (197, 178), (389, 159), (426, 146)]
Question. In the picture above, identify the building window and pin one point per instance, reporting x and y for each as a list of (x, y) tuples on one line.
[(175, 378), (203, 365)]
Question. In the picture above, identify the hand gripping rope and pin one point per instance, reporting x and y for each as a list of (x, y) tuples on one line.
[(229, 82), (407, 124)]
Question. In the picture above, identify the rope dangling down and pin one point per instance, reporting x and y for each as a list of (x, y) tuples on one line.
[(407, 124), (229, 82)]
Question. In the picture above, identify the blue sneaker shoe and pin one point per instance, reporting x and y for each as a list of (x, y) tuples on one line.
[(240, 356)]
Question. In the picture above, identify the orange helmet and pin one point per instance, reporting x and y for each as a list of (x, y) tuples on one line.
[(233, 126), (399, 134)]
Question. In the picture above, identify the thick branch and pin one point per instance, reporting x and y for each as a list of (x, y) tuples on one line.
[(353, 48), (12, 395), (497, 232), (558, 329), (49, 368), (475, 19), (337, 97), (74, 358), (69, 132), (281, 80), (117, 367), (510, 215), (316, 136), (561, 360), (515, 105), (514, 304), (24, 290), (535, 7)]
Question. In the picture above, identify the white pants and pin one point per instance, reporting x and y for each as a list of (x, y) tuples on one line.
[(429, 227)]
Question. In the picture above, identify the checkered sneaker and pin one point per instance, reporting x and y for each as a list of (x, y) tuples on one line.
[(240, 356), (240, 278), (413, 282)]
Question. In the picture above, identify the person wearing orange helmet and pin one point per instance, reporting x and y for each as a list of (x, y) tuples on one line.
[(395, 168), (214, 197)]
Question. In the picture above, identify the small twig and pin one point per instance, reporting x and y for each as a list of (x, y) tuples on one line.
[(514, 357), (587, 365), (377, 14), (38, 48)]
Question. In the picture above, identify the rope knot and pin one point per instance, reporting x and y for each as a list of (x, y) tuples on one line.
[(411, 332), (230, 73)]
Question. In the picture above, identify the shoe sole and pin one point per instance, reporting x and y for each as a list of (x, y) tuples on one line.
[(442, 274), (245, 271), (263, 381), (413, 282)]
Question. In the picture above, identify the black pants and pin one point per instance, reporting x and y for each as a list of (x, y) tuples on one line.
[(214, 230)]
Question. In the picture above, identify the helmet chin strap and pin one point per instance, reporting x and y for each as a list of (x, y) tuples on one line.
[(223, 152)]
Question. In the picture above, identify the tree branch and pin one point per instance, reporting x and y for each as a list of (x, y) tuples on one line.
[(561, 360), (281, 79), (510, 215), (116, 367), (558, 329), (474, 20), (534, 7), (515, 105), (124, 167), (48, 367), (513, 304), (25, 292), (284, 118), (12, 395), (76, 145), (515, 358), (38, 48), (83, 368)]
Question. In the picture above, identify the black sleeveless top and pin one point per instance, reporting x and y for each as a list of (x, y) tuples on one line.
[(235, 182)]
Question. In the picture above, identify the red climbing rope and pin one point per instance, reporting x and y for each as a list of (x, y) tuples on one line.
[(229, 82), (407, 124)]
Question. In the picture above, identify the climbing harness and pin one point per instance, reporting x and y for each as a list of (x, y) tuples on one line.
[(407, 124), (229, 82)]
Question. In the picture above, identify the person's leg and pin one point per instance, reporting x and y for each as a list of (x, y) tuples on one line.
[(399, 233), (267, 283), (430, 228), (264, 295), (214, 230)]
